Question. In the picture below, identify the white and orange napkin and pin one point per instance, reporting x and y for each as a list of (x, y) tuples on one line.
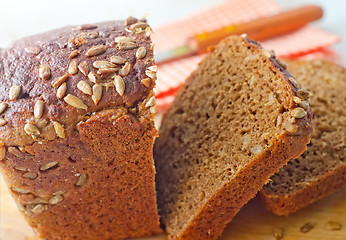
[(307, 42)]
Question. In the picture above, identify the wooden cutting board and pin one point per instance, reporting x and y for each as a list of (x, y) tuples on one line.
[(252, 222)]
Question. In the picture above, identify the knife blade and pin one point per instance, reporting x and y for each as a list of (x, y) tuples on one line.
[(257, 29)]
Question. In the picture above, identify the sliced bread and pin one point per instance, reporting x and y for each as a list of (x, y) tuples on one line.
[(233, 124), (321, 170)]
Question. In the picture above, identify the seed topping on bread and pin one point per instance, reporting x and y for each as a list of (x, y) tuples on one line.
[(96, 50), (44, 72), (75, 102), (60, 80), (3, 106), (14, 92), (73, 54)]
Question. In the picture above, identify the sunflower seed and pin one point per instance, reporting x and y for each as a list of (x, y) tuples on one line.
[(37, 200), (82, 179), (2, 122), (303, 94), (97, 93), (14, 92), (290, 127), (38, 109), (49, 165), (89, 35), (96, 50), (304, 104), (151, 102), (294, 82), (119, 85), (278, 233), (56, 199), (333, 225), (152, 110), (146, 82), (92, 77), (22, 169), (3, 106), (117, 60), (15, 151), (268, 53), (297, 100), (130, 20), (73, 54), (152, 46), (104, 71), (20, 190), (124, 39), (87, 27), (31, 129), (84, 87), (150, 74), (127, 45), (107, 85), (153, 68), (30, 175), (75, 102), (83, 67), (2, 152), (139, 25), (125, 70), (148, 31), (256, 149), (73, 67), (39, 208), (307, 227), (44, 72), (298, 113), (60, 93), (281, 63), (32, 50), (59, 129), (60, 80), (60, 192), (103, 64), (141, 52)]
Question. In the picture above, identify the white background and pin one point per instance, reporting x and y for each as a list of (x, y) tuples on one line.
[(20, 18)]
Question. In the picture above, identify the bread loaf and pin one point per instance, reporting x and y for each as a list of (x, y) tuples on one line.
[(321, 169), (232, 125), (77, 130)]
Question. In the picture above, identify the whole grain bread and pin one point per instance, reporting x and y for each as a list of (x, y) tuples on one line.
[(77, 130), (321, 169), (232, 125)]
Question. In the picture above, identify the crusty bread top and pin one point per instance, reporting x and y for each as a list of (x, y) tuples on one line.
[(327, 83), (22, 62)]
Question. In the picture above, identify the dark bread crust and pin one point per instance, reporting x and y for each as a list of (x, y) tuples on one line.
[(20, 67), (103, 185), (286, 204), (222, 206), (330, 176)]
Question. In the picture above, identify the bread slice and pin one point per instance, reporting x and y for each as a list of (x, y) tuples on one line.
[(320, 170), (229, 129), (76, 148)]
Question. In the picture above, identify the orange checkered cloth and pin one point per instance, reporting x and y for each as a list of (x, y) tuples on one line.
[(307, 42)]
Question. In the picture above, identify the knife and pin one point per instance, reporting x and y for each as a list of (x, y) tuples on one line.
[(257, 29)]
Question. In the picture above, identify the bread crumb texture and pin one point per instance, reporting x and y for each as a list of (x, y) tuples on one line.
[(229, 129), (321, 169)]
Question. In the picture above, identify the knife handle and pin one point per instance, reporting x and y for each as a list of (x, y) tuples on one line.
[(261, 28)]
